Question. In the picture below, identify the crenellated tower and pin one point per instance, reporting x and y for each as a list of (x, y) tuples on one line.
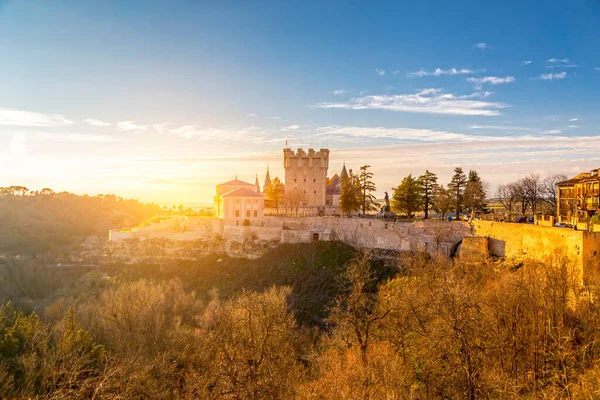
[(307, 171)]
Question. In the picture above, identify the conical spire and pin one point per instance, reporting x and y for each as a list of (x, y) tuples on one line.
[(344, 173), (267, 181), (257, 184)]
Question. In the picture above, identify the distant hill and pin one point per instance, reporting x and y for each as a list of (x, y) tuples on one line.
[(40, 221)]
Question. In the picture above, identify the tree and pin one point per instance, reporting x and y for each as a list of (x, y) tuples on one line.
[(428, 182), (367, 187), (350, 194), (443, 200), (275, 194), (407, 196), (550, 189), (533, 190), (475, 193), (294, 199), (508, 194), (457, 186)]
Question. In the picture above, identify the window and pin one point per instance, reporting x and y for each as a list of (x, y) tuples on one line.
[(255, 213), (315, 192), (304, 179), (237, 213), (294, 179), (314, 180), (247, 213)]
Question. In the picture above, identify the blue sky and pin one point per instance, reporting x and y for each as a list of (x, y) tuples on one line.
[(161, 100)]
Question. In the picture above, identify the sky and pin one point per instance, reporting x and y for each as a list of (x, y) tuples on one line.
[(162, 100)]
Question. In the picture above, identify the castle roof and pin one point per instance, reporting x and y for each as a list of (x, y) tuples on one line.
[(344, 173), (242, 192), (236, 182)]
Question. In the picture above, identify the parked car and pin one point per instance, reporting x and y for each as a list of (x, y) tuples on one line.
[(521, 220)]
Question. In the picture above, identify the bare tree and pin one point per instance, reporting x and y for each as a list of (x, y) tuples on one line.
[(508, 194), (550, 190), (533, 190)]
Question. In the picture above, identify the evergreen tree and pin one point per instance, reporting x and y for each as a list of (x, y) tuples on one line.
[(428, 182), (350, 194), (475, 193), (407, 196), (443, 200), (457, 186), (367, 187)]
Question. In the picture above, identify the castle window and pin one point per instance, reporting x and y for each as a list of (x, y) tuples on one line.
[(255, 213), (304, 179), (315, 192), (237, 213), (247, 213), (314, 180), (294, 179)]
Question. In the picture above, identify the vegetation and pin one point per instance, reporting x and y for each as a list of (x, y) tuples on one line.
[(368, 202), (39, 221), (275, 194), (457, 187), (350, 194), (428, 183), (313, 321), (406, 198), (531, 193)]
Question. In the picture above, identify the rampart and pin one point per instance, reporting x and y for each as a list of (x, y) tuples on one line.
[(543, 243)]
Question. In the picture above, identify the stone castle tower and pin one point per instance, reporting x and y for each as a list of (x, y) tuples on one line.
[(307, 171)]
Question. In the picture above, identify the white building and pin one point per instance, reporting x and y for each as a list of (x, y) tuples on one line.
[(238, 202)]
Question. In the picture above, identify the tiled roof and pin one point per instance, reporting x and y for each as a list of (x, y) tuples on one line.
[(242, 192), (236, 182)]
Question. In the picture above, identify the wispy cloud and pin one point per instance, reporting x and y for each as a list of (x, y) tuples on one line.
[(428, 101), (492, 80), (558, 60), (552, 131), (572, 126), (440, 72), (76, 137), (274, 118), (251, 115), (597, 69), (481, 45), (130, 126), (527, 62), (290, 128), (574, 119), (552, 77), (506, 128), (11, 117), (95, 122), (250, 135), (338, 92), (380, 72)]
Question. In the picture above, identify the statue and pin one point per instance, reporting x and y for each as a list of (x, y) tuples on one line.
[(387, 202)]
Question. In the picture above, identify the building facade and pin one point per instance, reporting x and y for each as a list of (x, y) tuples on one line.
[(306, 172), (579, 196), (236, 201)]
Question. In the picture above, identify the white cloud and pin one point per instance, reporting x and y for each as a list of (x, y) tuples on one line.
[(396, 72), (290, 128), (440, 72), (558, 60), (251, 115), (95, 122), (380, 72), (251, 134), (552, 131), (572, 126), (10, 117), (552, 77), (492, 80), (428, 101), (504, 128), (130, 126), (574, 119), (481, 45), (527, 62), (562, 66), (597, 69), (275, 118), (338, 92)]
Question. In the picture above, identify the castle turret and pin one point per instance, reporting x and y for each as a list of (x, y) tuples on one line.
[(307, 171), (257, 184), (344, 173), (267, 181)]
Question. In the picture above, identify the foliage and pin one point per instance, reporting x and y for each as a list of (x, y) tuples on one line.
[(457, 187), (443, 200), (350, 194), (428, 183), (407, 198), (368, 202), (475, 193), (275, 194)]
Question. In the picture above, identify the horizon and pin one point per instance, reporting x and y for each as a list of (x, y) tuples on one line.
[(161, 101)]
